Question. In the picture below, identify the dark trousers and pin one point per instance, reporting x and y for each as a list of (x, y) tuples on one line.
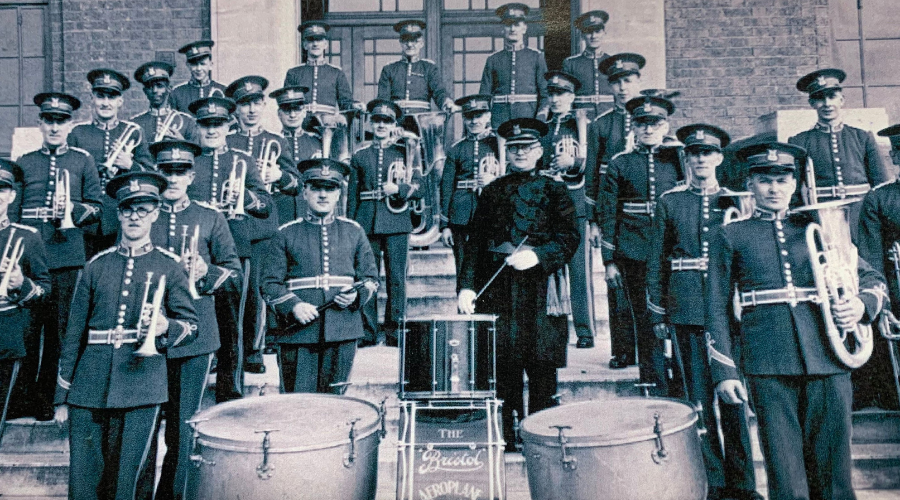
[(460, 237), (804, 429), (230, 356), (622, 335), (37, 382), (187, 383), (875, 383), (9, 370), (582, 286), (108, 449), (395, 249), (542, 386), (323, 367), (651, 355), (734, 469), (254, 318)]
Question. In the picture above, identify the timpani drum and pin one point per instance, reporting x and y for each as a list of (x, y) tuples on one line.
[(452, 356), (620, 448), (299, 446)]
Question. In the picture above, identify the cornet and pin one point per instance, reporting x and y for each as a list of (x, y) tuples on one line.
[(62, 201), (488, 166), (233, 189), (12, 254), (150, 316), (172, 126), (268, 159), (130, 138), (189, 252)]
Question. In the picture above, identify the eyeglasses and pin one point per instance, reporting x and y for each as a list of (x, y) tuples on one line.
[(142, 212), (517, 150), (648, 125), (381, 119)]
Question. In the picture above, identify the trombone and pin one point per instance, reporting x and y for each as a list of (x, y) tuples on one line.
[(130, 138), (12, 254), (232, 199), (268, 159), (62, 200), (150, 312), (189, 252), (172, 126)]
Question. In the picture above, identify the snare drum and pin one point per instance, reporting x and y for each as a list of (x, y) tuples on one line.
[(301, 446), (624, 448), (450, 356)]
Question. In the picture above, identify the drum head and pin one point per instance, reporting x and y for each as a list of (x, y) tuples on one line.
[(453, 318), (608, 422), (299, 422)]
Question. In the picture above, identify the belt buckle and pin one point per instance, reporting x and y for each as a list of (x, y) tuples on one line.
[(792, 295), (117, 337)]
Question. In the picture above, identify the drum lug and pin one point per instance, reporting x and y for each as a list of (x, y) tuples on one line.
[(196, 458), (701, 426), (265, 469), (661, 454), (350, 457), (382, 414), (517, 428), (568, 462)]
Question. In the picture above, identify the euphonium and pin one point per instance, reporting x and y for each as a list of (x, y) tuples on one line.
[(268, 159), (130, 138), (12, 254), (488, 165), (396, 174), (189, 251), (172, 126), (62, 200), (216, 92), (431, 130), (401, 172), (233, 189), (889, 325), (150, 317), (834, 258)]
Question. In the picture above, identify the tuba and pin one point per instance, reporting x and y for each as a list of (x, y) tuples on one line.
[(172, 126), (62, 197), (268, 159), (232, 199), (833, 258), (12, 254), (189, 252), (130, 138), (431, 132), (150, 312), (401, 172)]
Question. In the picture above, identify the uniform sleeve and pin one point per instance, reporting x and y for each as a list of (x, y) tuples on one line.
[(487, 78), (257, 201), (541, 84), (36, 284), (273, 277), (289, 183), (87, 211), (872, 290), (415, 189), (74, 339), (475, 246), (344, 93), (657, 277), (607, 201), (591, 173), (435, 85), (875, 168), (384, 82), (720, 283), (353, 186), (448, 176), (142, 159), (364, 264), (224, 263), (870, 243), (291, 78), (179, 311), (564, 235)]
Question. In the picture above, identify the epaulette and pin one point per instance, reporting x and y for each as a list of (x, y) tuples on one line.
[(428, 61), (206, 205), (725, 190), (100, 254), (679, 188), (620, 153), (25, 227), (533, 50), (576, 56), (883, 184), (138, 115), (181, 85), (333, 66), (78, 124), (80, 150), (351, 221), (129, 123), (461, 140), (291, 223), (167, 253)]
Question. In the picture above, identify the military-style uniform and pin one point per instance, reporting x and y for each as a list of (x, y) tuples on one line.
[(186, 93), (514, 77), (286, 189), (801, 392), (152, 120), (327, 84), (412, 84), (595, 94)]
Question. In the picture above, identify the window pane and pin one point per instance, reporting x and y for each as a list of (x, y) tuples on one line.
[(493, 4), (32, 77), (844, 18), (352, 6), (887, 98), (479, 43), (456, 4), (458, 67), (32, 32), (847, 58), (9, 82), (882, 64), (475, 66), (387, 46), (880, 19), (370, 69), (9, 33), (853, 97), (369, 46), (9, 119), (410, 5)]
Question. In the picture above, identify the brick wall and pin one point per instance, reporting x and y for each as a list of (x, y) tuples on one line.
[(735, 60), (88, 34)]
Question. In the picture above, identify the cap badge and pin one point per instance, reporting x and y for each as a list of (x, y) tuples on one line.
[(106, 78), (773, 155), (325, 169), (290, 94), (820, 81), (515, 13), (248, 86), (54, 102), (134, 186), (194, 50), (648, 107), (517, 130), (176, 154), (620, 64), (700, 135), (212, 107), (151, 71)]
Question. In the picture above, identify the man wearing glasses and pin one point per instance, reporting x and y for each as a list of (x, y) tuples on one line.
[(626, 204)]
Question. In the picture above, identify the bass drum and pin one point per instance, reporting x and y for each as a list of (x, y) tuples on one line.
[(298, 446), (622, 448)]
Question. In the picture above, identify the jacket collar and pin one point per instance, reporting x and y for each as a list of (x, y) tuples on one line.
[(763, 214), (134, 251), (110, 125), (176, 207), (705, 191), (61, 150), (487, 133), (318, 221), (824, 127), (253, 132), (210, 151), (593, 55), (4, 223), (513, 47), (316, 62)]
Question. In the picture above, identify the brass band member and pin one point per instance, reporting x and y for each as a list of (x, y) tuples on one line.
[(628, 195), (24, 283), (413, 82), (329, 89), (199, 60), (131, 302), (524, 221), (382, 180), (60, 196), (595, 94), (472, 163), (316, 260), (514, 76), (116, 145), (801, 393), (876, 382), (162, 120), (676, 283), (199, 234)]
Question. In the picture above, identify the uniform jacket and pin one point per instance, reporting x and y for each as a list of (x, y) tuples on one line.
[(585, 67), (515, 72), (151, 121), (212, 169), (303, 145), (99, 140), (327, 84), (458, 205), (368, 172), (418, 80), (310, 247), (682, 227), (879, 228), (285, 189), (607, 136), (566, 127), (183, 95), (65, 247), (632, 178), (109, 294), (15, 314), (843, 153), (512, 207), (765, 252), (172, 231)]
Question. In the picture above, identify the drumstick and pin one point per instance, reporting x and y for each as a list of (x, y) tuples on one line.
[(501, 268)]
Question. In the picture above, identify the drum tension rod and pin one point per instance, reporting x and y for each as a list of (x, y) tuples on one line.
[(382, 412), (517, 428), (265, 469), (661, 454), (350, 458), (569, 462), (196, 457)]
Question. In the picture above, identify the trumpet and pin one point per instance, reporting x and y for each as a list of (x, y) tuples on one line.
[(62, 200), (130, 138), (233, 189), (12, 254), (189, 252), (150, 317), (268, 159), (172, 126)]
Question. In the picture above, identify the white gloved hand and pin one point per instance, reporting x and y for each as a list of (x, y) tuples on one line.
[(522, 260), (466, 301)]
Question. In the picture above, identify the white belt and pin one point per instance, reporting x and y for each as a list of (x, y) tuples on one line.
[(789, 295), (116, 336), (514, 98), (320, 108), (323, 281), (467, 184), (407, 104), (842, 191), (593, 99), (690, 264), (42, 213), (645, 208), (371, 195)]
